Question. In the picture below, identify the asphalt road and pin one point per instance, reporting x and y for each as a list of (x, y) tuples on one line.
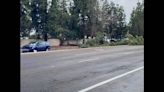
[(108, 69)]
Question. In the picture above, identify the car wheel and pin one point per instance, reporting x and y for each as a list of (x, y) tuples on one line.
[(47, 49), (34, 51)]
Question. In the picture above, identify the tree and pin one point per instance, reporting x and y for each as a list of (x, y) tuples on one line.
[(39, 15), (94, 17), (120, 24), (58, 20), (106, 17), (73, 24), (113, 18), (63, 21), (44, 18), (53, 19), (36, 18), (82, 11), (87, 16), (137, 20), (25, 19), (75, 21)]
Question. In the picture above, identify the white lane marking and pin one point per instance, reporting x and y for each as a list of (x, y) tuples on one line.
[(88, 60), (109, 80), (107, 56)]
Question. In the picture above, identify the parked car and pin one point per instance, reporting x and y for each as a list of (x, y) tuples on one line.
[(36, 46)]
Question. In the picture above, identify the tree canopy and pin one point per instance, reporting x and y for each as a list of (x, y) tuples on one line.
[(74, 20)]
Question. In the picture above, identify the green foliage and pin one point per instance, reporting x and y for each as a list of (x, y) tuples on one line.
[(113, 18), (137, 20), (122, 42), (113, 44), (83, 45), (82, 18), (25, 22), (91, 42), (138, 40), (100, 38), (97, 41), (39, 15)]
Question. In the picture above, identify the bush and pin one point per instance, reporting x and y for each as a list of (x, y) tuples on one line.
[(99, 41), (113, 44), (138, 40), (105, 44), (92, 42), (83, 46), (122, 42), (100, 38)]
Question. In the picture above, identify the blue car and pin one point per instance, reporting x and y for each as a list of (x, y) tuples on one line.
[(36, 46)]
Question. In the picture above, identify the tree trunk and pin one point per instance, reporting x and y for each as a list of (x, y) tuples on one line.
[(45, 37)]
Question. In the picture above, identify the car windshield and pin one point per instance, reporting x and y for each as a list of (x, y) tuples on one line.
[(33, 42)]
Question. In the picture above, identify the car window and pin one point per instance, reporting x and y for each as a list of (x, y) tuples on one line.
[(33, 42), (41, 43), (46, 43)]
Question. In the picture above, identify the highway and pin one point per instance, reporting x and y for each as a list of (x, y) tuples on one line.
[(100, 69)]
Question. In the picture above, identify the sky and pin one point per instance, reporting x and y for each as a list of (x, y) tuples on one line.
[(128, 6)]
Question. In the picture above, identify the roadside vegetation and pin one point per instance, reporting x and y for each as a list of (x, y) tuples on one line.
[(138, 40)]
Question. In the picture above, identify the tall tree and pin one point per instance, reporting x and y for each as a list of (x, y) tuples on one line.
[(63, 30), (79, 17), (86, 12), (106, 17), (59, 18), (113, 18), (137, 20), (39, 15), (25, 19), (120, 24), (74, 20), (53, 18), (36, 17)]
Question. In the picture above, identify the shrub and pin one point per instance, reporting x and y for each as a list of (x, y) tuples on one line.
[(83, 46), (122, 42), (100, 38), (113, 44), (92, 42), (138, 40)]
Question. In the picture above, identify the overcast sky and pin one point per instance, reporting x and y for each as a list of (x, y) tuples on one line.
[(127, 5)]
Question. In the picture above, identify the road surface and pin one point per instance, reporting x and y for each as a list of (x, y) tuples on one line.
[(104, 69)]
